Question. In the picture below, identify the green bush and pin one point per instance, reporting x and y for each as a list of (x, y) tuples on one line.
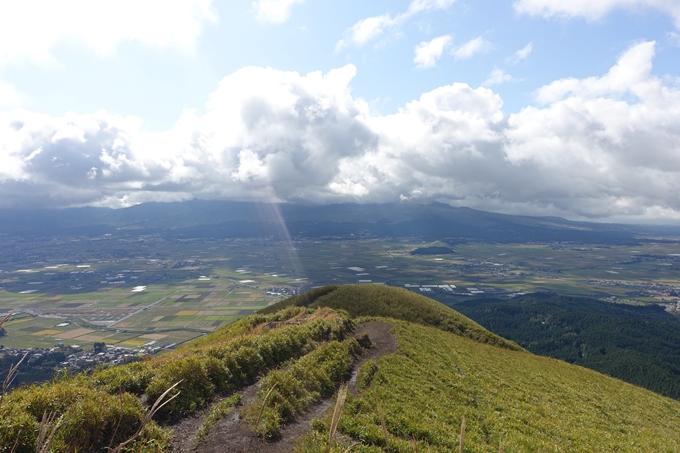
[(20, 427), (194, 388), (92, 418), (133, 378)]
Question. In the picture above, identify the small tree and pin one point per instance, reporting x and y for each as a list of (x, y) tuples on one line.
[(99, 346)]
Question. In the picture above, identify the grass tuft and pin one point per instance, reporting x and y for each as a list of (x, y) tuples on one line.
[(340, 401)]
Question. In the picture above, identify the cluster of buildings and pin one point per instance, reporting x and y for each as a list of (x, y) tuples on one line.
[(640, 289), (75, 358), (282, 291)]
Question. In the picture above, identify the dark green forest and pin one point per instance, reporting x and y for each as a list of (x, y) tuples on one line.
[(33, 369), (637, 344)]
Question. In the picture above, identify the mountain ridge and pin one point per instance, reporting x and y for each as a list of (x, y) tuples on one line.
[(200, 218)]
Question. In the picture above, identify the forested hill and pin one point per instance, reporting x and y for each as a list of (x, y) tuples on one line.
[(640, 345)]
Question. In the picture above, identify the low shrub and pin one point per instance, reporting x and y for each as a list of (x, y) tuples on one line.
[(195, 387), (17, 428), (132, 378), (92, 418)]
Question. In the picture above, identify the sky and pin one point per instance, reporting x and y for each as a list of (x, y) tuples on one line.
[(535, 107)]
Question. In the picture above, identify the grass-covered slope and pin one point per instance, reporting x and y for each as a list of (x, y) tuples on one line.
[(396, 303), (640, 345), (527, 402), (445, 368), (107, 408)]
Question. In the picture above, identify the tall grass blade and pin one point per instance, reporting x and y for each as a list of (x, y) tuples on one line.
[(264, 403), (462, 435), (45, 436), (342, 396), (9, 379), (16, 442)]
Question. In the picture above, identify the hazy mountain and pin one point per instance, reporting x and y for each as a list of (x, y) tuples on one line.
[(223, 219)]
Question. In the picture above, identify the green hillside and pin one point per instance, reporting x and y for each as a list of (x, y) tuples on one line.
[(638, 344), (527, 402), (274, 367)]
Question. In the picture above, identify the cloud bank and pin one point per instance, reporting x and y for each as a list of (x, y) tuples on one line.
[(599, 147), (30, 29)]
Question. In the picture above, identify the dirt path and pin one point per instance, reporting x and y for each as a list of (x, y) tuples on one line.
[(233, 435)]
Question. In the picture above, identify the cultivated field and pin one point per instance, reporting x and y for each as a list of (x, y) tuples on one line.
[(136, 291)]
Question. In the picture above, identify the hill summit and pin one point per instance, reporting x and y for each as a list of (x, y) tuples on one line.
[(420, 377)]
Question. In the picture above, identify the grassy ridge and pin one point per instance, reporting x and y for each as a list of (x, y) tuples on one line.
[(441, 372), (531, 403), (103, 410), (396, 303)]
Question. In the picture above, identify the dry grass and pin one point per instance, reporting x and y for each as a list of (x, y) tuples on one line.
[(45, 435), (11, 375), (340, 401), (264, 404)]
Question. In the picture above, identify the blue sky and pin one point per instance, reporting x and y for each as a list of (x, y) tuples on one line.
[(540, 107)]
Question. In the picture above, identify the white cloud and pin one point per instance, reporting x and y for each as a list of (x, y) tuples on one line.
[(674, 37), (522, 53), (30, 29), (593, 10), (417, 6), (630, 74), (263, 129), (366, 30), (470, 48), (370, 28), (8, 95), (274, 11), (496, 77), (616, 156), (598, 147), (427, 53)]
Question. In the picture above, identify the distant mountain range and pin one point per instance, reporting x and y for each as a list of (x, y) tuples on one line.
[(226, 219)]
